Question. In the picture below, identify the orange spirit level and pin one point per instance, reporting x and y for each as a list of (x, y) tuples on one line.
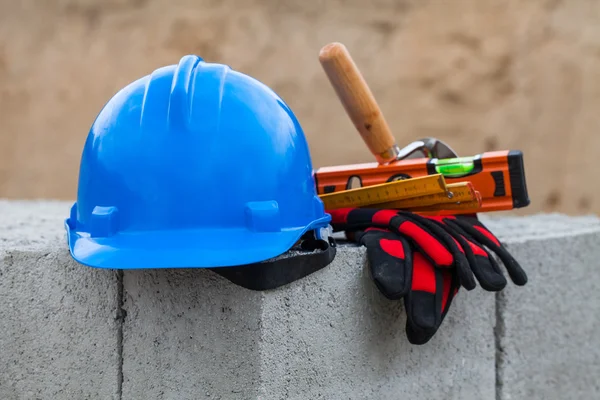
[(498, 176)]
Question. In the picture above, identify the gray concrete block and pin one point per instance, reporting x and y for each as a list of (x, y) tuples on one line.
[(538, 227), (548, 342), (32, 224), (332, 335), (189, 334), (192, 334), (59, 333)]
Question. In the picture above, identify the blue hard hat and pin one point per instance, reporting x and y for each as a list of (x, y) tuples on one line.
[(194, 165)]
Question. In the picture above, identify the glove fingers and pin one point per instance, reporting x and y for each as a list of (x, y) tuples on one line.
[(484, 266), (424, 240), (461, 263), (450, 290), (474, 228), (423, 302), (487, 271), (429, 299), (390, 261)]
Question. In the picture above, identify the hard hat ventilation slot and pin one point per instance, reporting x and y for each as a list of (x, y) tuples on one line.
[(179, 101)]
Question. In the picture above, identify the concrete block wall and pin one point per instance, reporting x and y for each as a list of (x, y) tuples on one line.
[(72, 332)]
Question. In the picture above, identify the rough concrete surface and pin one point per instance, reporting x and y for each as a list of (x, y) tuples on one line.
[(549, 343), (59, 327), (539, 227), (333, 336), (190, 334), (480, 74), (32, 224), (547, 334)]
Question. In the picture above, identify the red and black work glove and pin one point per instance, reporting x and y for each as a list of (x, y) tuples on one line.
[(475, 240), (432, 240), (422, 260), (400, 269), (428, 301)]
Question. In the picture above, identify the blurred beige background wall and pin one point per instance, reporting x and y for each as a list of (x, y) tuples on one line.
[(479, 74)]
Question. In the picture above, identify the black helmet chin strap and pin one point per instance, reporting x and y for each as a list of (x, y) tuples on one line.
[(312, 254)]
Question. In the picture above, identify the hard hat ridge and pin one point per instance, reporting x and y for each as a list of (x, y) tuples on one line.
[(182, 92)]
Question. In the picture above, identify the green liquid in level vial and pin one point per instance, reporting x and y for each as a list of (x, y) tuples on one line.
[(455, 167)]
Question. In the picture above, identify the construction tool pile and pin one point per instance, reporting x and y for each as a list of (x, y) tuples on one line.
[(415, 209), (155, 191), (426, 176)]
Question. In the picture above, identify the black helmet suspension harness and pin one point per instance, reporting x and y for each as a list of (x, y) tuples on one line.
[(315, 250)]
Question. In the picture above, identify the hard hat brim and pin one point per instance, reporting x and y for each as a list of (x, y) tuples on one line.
[(205, 248)]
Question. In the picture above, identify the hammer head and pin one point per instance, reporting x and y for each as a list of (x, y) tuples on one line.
[(426, 148)]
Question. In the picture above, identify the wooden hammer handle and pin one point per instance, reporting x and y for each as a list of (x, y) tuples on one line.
[(358, 101)]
